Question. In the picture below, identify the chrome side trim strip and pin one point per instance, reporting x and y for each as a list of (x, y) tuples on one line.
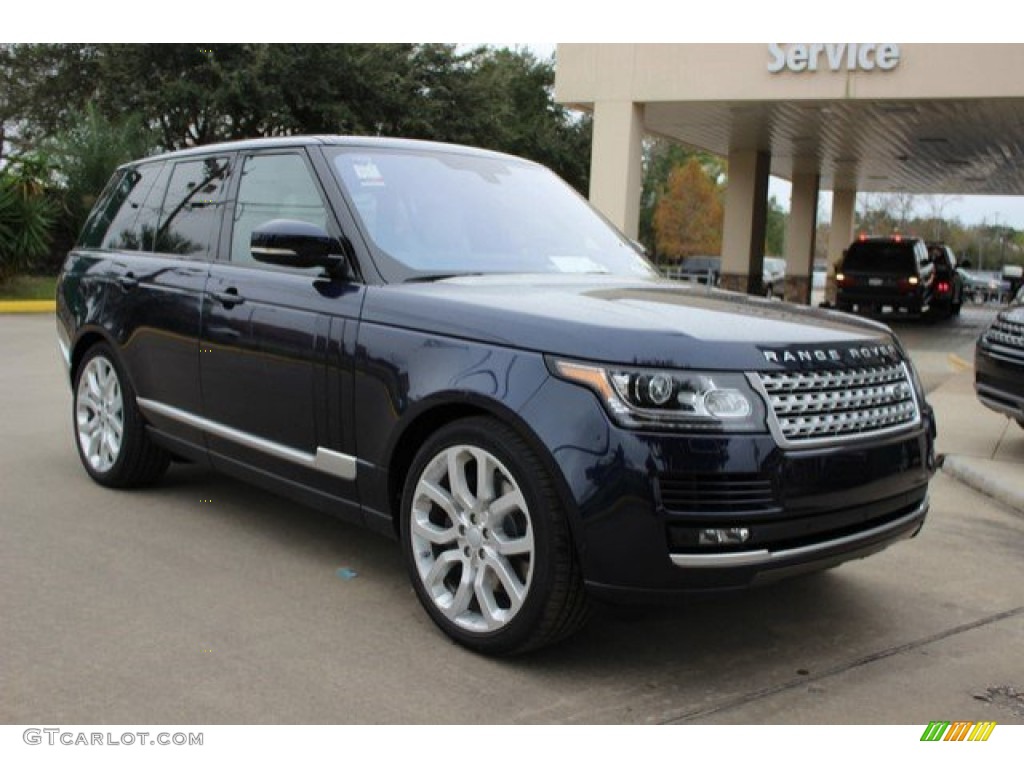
[(65, 354), (766, 557), (330, 462), (334, 463), (263, 250)]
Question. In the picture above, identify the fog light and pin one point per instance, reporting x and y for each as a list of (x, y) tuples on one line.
[(712, 537)]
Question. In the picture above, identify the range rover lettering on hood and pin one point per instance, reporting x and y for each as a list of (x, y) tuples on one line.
[(840, 356)]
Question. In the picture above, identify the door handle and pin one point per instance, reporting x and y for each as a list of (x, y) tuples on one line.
[(228, 297), (127, 281)]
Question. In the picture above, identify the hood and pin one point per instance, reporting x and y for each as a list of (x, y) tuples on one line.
[(609, 319)]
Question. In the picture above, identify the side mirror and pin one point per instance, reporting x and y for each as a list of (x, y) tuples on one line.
[(299, 244)]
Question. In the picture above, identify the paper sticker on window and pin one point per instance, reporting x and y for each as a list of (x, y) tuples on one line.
[(367, 172), (577, 265)]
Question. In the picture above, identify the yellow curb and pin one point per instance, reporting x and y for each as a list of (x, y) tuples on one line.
[(19, 307), (959, 363)]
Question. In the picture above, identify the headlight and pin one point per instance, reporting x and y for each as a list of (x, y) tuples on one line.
[(670, 399)]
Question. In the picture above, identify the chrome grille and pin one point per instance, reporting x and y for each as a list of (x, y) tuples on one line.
[(1006, 333), (826, 404)]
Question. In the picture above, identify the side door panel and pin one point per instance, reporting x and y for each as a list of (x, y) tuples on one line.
[(158, 245), (268, 382)]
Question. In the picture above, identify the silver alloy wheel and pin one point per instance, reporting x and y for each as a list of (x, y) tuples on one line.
[(99, 414), (472, 538)]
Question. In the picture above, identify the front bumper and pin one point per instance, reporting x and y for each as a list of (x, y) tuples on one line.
[(639, 501), (999, 379)]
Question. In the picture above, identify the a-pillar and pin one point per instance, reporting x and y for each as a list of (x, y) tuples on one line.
[(746, 215), (844, 205), (800, 234), (615, 163)]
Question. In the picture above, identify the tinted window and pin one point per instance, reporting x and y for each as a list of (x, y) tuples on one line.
[(148, 220), (113, 223), (278, 186), (191, 209), (106, 208), (880, 257)]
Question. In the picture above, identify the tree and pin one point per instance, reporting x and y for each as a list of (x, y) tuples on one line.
[(688, 216), (27, 214), (775, 229), (87, 154), (660, 158), (193, 94)]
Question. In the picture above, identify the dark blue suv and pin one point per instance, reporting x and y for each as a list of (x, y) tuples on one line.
[(451, 347)]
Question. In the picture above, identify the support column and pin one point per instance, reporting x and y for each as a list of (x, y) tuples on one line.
[(844, 205), (615, 163), (800, 234), (746, 214)]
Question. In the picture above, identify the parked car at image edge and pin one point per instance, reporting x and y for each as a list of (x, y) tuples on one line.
[(886, 273), (450, 347), (999, 362)]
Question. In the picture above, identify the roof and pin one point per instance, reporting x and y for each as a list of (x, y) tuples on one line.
[(377, 142)]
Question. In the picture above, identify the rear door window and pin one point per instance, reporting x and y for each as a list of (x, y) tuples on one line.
[(191, 210)]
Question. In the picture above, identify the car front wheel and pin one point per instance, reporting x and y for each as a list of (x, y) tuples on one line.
[(109, 430), (487, 541)]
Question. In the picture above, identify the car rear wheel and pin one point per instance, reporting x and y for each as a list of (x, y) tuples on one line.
[(109, 430), (487, 541)]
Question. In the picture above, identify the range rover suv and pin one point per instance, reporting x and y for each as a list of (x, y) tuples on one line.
[(886, 273), (999, 362), (451, 347)]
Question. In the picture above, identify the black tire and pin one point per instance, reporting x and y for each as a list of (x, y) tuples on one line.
[(519, 600), (98, 410)]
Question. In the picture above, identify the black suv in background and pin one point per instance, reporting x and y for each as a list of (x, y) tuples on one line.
[(450, 347), (880, 273), (948, 288), (999, 362)]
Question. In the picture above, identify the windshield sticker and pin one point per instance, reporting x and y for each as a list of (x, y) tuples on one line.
[(367, 172), (577, 265)]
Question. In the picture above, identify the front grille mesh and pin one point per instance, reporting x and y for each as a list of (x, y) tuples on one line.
[(817, 405), (1006, 333)]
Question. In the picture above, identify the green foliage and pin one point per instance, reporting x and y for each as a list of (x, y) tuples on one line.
[(28, 288), (775, 229), (27, 215), (192, 94), (86, 155)]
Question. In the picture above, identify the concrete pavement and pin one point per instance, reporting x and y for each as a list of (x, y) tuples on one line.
[(979, 447)]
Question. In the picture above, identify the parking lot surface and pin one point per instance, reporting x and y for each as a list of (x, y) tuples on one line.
[(204, 600)]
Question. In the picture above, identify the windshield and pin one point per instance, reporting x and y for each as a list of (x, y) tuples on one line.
[(435, 213)]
